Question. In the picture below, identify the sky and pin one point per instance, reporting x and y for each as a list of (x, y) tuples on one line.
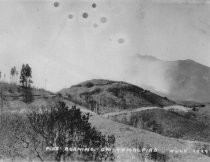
[(69, 41)]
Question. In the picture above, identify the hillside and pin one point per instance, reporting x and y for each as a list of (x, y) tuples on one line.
[(127, 136), (178, 80), (13, 97), (185, 125), (111, 96), (13, 90), (130, 137)]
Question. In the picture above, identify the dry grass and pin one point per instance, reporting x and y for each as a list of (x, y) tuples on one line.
[(126, 135), (168, 123)]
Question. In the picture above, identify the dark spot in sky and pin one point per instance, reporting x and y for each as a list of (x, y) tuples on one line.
[(85, 15), (121, 40), (56, 4), (94, 5), (70, 16), (103, 19), (95, 25)]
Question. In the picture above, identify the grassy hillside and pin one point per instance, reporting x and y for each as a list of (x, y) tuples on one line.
[(112, 96), (126, 137), (131, 137), (185, 125), (12, 90), (13, 97)]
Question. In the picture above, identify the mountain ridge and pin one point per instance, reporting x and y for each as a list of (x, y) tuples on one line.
[(151, 57)]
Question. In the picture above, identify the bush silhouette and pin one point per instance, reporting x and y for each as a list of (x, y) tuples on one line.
[(63, 128)]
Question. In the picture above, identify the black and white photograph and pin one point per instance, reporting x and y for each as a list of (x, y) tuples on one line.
[(105, 80)]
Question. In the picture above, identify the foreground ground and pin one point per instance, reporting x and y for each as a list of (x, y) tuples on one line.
[(127, 136)]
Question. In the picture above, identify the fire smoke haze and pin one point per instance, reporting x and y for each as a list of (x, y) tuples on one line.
[(69, 41)]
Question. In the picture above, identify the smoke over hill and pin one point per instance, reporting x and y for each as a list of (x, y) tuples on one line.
[(181, 79)]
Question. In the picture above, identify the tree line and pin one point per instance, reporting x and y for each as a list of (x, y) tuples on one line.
[(25, 79)]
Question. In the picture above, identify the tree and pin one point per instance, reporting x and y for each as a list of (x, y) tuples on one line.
[(65, 128), (16, 74), (26, 75), (4, 77), (25, 80), (11, 75), (13, 72)]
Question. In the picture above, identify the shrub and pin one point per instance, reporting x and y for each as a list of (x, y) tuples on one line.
[(114, 91), (150, 154), (89, 85), (59, 94), (190, 115), (63, 127), (158, 157)]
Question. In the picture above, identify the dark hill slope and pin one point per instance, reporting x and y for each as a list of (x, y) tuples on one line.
[(106, 96)]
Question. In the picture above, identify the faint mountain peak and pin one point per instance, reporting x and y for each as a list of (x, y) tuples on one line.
[(189, 61), (193, 64)]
